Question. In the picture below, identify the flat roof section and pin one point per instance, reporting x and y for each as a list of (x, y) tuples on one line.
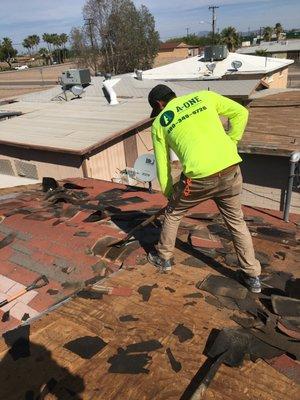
[(274, 125), (81, 125)]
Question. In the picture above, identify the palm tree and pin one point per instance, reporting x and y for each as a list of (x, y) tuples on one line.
[(267, 34), (63, 38), (278, 30), (46, 55), (230, 37), (35, 40), (27, 44), (47, 38)]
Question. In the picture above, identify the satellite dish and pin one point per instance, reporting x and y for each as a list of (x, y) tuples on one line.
[(236, 64), (211, 67), (77, 90), (145, 168)]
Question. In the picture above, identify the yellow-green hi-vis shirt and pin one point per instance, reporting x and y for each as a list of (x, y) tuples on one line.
[(191, 127)]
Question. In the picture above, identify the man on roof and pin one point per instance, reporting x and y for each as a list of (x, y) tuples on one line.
[(191, 127)]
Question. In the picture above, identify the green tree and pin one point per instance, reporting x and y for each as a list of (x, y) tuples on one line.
[(48, 40), (81, 49), (261, 53), (267, 33), (230, 37), (35, 40), (121, 37), (46, 56), (7, 51), (27, 45), (63, 38), (31, 42), (278, 30)]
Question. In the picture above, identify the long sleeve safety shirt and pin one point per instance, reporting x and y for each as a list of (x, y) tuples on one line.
[(190, 125)]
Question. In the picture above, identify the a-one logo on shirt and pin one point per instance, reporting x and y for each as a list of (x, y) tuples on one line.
[(166, 118)]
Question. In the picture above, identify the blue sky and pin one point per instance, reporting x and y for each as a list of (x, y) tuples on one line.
[(19, 18)]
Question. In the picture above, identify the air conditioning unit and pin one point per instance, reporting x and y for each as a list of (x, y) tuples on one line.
[(215, 53), (73, 77)]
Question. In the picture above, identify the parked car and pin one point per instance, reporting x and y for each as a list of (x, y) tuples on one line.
[(22, 67)]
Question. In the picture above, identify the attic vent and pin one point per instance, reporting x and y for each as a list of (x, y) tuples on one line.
[(26, 170), (6, 167)]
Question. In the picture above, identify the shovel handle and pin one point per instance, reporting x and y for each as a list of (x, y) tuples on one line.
[(38, 283), (141, 225), (198, 394), (3, 303)]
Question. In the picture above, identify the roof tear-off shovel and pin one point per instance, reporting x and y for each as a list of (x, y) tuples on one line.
[(38, 283), (230, 348)]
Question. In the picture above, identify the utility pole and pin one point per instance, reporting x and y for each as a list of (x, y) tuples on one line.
[(213, 24), (187, 32), (89, 22)]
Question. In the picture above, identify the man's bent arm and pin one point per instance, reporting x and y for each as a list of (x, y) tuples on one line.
[(162, 151), (236, 113)]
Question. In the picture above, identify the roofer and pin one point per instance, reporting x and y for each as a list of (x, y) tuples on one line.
[(191, 127)]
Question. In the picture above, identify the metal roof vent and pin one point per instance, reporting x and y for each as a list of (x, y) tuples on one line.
[(6, 167), (109, 92), (26, 169), (138, 74)]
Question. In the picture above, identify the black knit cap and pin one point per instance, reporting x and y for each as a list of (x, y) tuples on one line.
[(159, 92)]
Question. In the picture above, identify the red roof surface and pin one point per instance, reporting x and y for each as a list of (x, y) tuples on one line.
[(45, 244)]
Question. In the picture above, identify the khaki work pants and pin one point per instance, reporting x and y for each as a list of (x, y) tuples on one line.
[(225, 189)]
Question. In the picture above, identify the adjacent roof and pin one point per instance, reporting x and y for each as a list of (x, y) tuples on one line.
[(274, 124), (81, 125), (73, 126), (273, 47), (7, 181), (195, 68)]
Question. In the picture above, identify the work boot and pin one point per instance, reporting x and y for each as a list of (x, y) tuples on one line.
[(252, 283), (155, 259)]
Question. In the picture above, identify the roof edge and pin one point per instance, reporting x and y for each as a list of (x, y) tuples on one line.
[(141, 124)]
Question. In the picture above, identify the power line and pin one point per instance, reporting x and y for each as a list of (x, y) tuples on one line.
[(213, 24)]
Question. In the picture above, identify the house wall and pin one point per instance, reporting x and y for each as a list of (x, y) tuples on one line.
[(167, 57), (290, 55), (265, 182), (39, 163), (277, 80), (106, 162)]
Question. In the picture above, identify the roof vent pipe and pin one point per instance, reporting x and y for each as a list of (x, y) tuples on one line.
[(295, 158), (138, 74), (108, 86)]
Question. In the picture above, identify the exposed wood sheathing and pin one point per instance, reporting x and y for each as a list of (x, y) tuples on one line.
[(90, 379)]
